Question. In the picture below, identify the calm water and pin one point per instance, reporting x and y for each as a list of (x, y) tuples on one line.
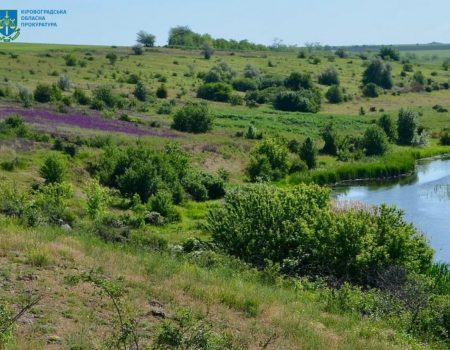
[(425, 198)]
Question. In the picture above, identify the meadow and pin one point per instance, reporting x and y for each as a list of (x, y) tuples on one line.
[(111, 217)]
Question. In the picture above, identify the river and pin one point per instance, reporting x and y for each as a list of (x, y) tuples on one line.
[(424, 196)]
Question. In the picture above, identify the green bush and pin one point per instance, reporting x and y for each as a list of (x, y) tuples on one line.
[(300, 101), (54, 169), (375, 141), (297, 229), (215, 92), (106, 96), (329, 77), (389, 53), (331, 140), (297, 81), (388, 125), (161, 92), (445, 138), (379, 73), (335, 94), (269, 161), (308, 153), (140, 91), (244, 84), (371, 90), (43, 93), (406, 126), (81, 97), (195, 118)]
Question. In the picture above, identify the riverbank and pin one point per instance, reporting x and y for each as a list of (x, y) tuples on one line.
[(394, 165)]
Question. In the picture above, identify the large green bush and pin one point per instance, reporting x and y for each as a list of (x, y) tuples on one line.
[(195, 118), (300, 101), (375, 141), (54, 169), (329, 77), (297, 229), (296, 81), (215, 92), (335, 94), (379, 73), (406, 126), (269, 161)]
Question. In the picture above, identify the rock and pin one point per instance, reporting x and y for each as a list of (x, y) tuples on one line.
[(158, 312)]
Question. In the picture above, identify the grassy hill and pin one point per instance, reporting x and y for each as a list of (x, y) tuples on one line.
[(119, 273)]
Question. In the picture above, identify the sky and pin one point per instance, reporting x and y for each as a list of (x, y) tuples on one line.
[(295, 22)]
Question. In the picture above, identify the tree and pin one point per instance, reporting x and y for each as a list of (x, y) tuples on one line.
[(112, 57), (335, 94), (269, 160), (54, 169), (388, 125), (379, 73), (375, 141), (140, 91), (406, 126), (194, 118), (146, 39), (308, 153), (370, 90), (207, 51)]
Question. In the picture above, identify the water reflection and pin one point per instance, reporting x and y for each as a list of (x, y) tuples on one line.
[(424, 196)]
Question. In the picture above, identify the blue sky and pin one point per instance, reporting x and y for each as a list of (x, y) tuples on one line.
[(332, 22)]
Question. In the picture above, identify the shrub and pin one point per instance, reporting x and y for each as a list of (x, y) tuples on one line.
[(97, 199), (221, 72), (388, 125), (137, 49), (297, 229), (161, 92), (146, 39), (308, 153), (202, 186), (251, 72), (236, 100), (370, 90), (419, 78), (269, 161), (335, 94), (389, 53), (375, 141), (296, 81), (207, 51), (162, 203), (81, 97), (252, 133), (341, 53), (329, 77), (140, 92), (445, 139), (268, 81), (194, 118), (379, 73), (112, 57), (25, 96), (70, 60), (43, 93), (215, 92), (105, 95), (331, 139), (64, 83), (406, 126), (300, 101), (54, 169), (244, 84)]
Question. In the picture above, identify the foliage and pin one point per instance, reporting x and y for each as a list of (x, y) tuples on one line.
[(221, 72), (137, 49), (64, 82), (331, 139), (335, 94), (112, 57), (161, 92), (54, 169), (389, 127), (43, 93), (146, 39), (215, 92), (269, 161), (71, 60), (25, 96), (375, 141), (296, 228), (389, 53), (308, 153), (140, 91), (81, 97), (379, 73), (301, 101), (97, 199), (371, 90), (297, 81), (406, 126), (195, 118), (207, 51), (445, 138), (105, 95), (244, 84), (329, 77)]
